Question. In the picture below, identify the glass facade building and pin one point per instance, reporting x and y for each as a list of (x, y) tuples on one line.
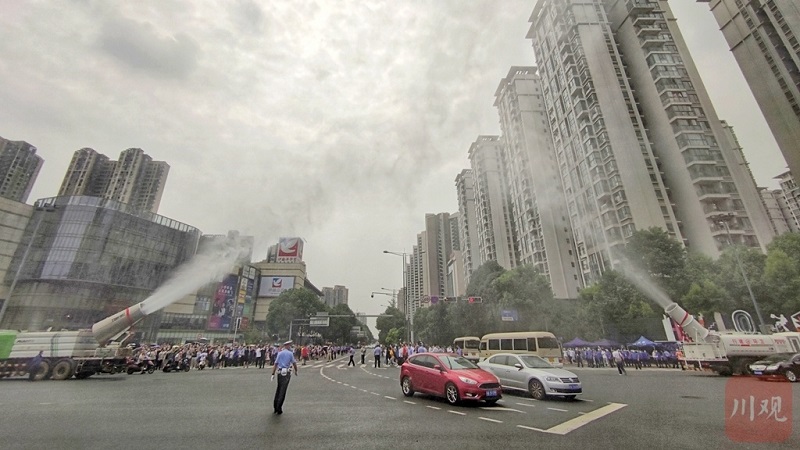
[(84, 258)]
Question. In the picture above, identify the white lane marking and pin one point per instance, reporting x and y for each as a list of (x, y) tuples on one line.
[(364, 391), (490, 420), (410, 403), (433, 407), (353, 387), (584, 400), (557, 409), (456, 412), (390, 398), (531, 428), (574, 424), (582, 413), (486, 408), (345, 384), (375, 393), (526, 404)]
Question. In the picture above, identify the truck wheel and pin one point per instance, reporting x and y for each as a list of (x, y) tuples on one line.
[(42, 371), (62, 370)]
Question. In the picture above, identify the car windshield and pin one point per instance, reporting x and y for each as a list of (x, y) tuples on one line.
[(535, 362), (778, 357), (457, 362)]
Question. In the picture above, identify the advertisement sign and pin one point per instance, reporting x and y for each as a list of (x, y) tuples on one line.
[(224, 301), (273, 286), (290, 250)]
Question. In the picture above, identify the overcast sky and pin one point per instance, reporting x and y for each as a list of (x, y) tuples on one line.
[(342, 122)]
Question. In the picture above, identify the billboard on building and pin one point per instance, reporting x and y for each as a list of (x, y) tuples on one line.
[(224, 302), (290, 250), (273, 286)]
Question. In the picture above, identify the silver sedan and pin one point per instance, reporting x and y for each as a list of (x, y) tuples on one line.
[(532, 374)]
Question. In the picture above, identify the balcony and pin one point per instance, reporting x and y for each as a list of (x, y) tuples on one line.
[(646, 19), (648, 30), (637, 7)]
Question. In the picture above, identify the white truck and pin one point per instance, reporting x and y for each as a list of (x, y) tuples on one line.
[(727, 353), (80, 353)]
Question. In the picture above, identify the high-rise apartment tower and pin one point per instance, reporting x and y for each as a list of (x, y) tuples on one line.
[(19, 166), (135, 179)]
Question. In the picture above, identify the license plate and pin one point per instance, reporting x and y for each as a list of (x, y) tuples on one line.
[(491, 393), (759, 372), (573, 386)]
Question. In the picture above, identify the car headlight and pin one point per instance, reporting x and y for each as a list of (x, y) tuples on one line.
[(772, 367), (553, 379), (467, 380)]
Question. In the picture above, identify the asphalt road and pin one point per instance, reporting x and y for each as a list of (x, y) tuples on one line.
[(331, 406)]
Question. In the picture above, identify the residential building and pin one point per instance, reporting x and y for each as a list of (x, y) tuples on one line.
[(763, 37), (19, 167), (791, 198), (496, 239), (539, 209), (468, 232), (778, 211), (336, 295), (135, 179), (631, 159)]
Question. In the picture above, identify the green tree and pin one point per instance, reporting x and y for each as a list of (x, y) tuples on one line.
[(705, 297), (782, 278), (298, 303), (340, 329), (622, 309), (394, 318), (729, 276), (661, 257)]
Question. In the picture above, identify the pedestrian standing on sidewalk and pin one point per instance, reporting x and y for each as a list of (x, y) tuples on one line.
[(284, 362), (617, 355)]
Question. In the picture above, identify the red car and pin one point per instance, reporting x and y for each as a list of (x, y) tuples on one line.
[(450, 376)]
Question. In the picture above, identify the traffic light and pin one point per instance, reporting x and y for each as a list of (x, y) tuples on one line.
[(434, 299), (475, 300)]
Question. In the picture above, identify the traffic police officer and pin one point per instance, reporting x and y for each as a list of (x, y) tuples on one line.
[(284, 361)]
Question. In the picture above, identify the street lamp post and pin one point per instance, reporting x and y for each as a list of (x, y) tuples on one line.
[(407, 304), (744, 275), (392, 303), (24, 259)]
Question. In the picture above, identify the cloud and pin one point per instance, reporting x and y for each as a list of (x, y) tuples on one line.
[(142, 46)]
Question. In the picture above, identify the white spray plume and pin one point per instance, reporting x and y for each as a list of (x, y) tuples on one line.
[(212, 264), (637, 277)]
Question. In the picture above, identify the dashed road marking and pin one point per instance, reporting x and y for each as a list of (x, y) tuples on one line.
[(558, 409), (433, 407), (353, 387), (456, 412), (375, 393), (490, 420), (527, 405), (390, 398), (410, 403), (488, 408)]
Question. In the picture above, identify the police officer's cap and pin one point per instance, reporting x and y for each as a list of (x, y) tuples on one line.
[(287, 343)]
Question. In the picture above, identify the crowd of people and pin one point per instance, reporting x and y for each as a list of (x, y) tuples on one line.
[(231, 355), (258, 356), (603, 357)]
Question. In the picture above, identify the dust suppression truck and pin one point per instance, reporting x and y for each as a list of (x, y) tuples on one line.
[(80, 353), (728, 353)]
